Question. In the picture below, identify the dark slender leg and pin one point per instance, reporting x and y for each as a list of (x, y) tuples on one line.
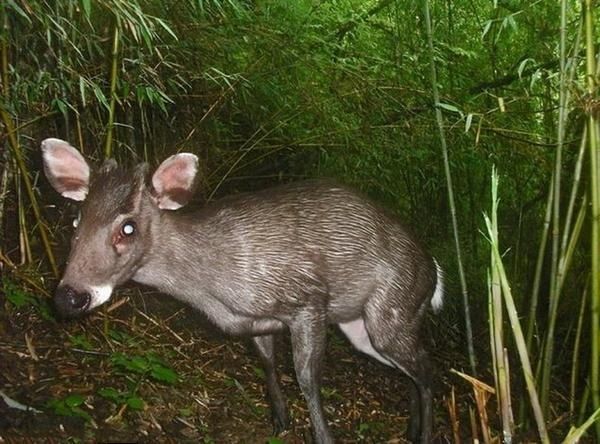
[(414, 424), (279, 414), (425, 396), (406, 353), (308, 345), (421, 414)]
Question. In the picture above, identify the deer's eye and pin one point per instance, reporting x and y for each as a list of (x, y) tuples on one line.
[(128, 228)]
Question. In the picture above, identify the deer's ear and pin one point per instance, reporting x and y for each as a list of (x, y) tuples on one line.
[(173, 182), (66, 169)]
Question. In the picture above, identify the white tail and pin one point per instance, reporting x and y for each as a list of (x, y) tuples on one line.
[(437, 301)]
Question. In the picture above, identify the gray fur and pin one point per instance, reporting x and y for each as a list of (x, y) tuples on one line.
[(295, 257)]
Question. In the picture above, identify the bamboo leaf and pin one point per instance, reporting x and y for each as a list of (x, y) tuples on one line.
[(468, 122), (167, 28), (82, 90), (18, 10), (575, 434), (87, 8), (448, 107), (523, 65), (486, 28)]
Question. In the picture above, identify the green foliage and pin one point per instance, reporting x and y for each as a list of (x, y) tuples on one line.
[(143, 367), (81, 341), (124, 338), (133, 401), (331, 393), (16, 295), (259, 372), (20, 298), (247, 399), (186, 412), (69, 406), (368, 429), (148, 365)]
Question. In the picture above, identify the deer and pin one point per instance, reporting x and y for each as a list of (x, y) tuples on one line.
[(297, 258)]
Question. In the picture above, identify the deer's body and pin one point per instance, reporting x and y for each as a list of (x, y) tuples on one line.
[(295, 257)]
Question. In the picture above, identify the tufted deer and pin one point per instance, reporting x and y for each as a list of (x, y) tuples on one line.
[(296, 257)]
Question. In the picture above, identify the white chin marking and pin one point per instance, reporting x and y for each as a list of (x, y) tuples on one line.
[(99, 295)]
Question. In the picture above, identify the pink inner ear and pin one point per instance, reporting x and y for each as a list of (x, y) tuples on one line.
[(65, 168), (175, 175), (173, 181), (66, 165)]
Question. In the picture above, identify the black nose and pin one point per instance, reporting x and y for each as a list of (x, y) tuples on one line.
[(70, 303)]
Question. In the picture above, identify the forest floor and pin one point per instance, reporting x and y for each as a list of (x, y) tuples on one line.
[(147, 369)]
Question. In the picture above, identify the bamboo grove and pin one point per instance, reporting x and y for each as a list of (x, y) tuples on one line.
[(477, 121)]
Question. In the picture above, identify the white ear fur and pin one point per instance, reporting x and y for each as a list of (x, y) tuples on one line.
[(66, 169), (173, 181)]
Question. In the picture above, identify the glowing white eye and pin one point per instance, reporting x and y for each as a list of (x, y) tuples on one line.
[(75, 222), (128, 228)]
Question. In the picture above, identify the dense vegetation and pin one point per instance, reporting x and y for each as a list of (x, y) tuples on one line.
[(412, 102)]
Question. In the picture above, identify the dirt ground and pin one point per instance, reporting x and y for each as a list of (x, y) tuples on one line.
[(148, 369)]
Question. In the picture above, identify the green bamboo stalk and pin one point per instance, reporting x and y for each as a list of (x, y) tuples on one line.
[(574, 190), (518, 336), (16, 150), (24, 242), (440, 123), (576, 351), (554, 290), (567, 255), (113, 88), (537, 278), (496, 328), (4, 53), (585, 399), (592, 125), (13, 142), (4, 90), (4, 189)]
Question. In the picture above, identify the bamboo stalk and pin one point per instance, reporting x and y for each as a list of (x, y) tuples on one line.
[(554, 265), (594, 146), (13, 142), (24, 243), (454, 416), (4, 54), (113, 89), (537, 278), (16, 150), (577, 170), (567, 240), (516, 325), (519, 340), (500, 360), (567, 255), (585, 399), (576, 351), (6, 94), (4, 190), (79, 133), (510, 419), (451, 202)]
